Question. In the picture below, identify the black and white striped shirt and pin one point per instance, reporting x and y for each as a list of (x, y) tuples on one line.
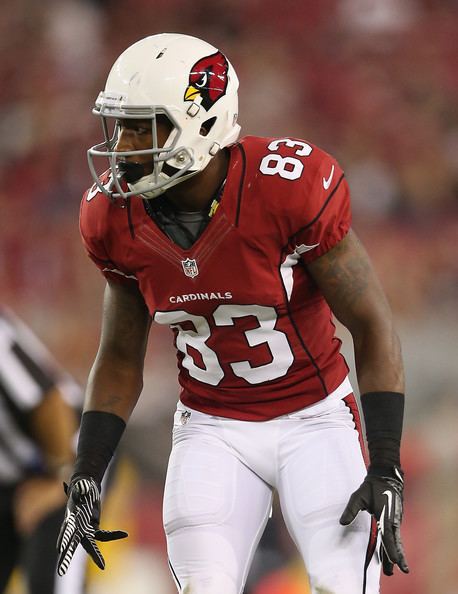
[(27, 373)]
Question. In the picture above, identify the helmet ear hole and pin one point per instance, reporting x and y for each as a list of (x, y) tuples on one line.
[(207, 126)]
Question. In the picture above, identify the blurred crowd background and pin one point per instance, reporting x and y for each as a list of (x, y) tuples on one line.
[(375, 83)]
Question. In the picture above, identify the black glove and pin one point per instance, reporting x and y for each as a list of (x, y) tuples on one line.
[(81, 524), (382, 497)]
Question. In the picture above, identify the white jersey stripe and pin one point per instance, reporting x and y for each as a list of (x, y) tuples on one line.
[(286, 269)]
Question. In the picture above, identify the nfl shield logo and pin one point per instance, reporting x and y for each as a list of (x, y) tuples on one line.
[(190, 267), (185, 416)]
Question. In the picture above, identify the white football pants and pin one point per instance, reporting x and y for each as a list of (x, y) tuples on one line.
[(218, 496)]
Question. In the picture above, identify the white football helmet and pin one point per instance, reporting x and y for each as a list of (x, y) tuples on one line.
[(183, 78)]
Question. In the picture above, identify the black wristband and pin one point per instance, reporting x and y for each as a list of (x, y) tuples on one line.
[(383, 417), (99, 436)]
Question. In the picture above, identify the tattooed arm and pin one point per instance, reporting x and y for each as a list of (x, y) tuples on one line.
[(348, 282), (116, 378)]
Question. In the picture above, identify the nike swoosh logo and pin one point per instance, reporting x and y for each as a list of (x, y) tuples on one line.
[(389, 504), (389, 496), (327, 181)]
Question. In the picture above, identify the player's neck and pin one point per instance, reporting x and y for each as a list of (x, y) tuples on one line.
[(197, 192)]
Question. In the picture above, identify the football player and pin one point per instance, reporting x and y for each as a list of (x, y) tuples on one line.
[(245, 249)]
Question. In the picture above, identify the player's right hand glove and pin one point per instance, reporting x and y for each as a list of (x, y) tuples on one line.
[(382, 496), (81, 524)]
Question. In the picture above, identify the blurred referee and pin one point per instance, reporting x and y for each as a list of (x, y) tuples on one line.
[(38, 404)]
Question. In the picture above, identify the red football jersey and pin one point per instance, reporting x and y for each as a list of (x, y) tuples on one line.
[(255, 338)]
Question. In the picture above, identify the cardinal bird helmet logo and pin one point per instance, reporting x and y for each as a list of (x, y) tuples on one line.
[(208, 80)]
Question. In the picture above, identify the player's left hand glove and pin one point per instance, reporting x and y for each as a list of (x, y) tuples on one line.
[(81, 524), (382, 496)]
